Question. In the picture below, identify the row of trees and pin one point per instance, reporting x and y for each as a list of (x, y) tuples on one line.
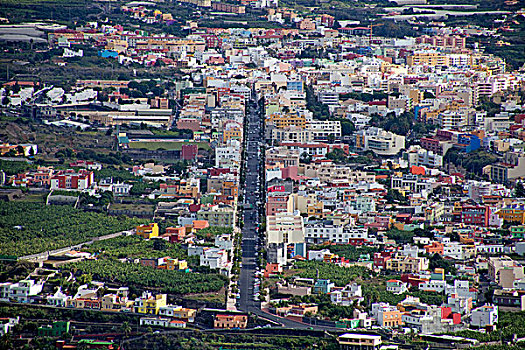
[(174, 282), (341, 276), (136, 247), (40, 228), (13, 168), (474, 163)]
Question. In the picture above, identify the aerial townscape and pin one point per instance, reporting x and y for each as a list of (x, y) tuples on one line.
[(262, 174)]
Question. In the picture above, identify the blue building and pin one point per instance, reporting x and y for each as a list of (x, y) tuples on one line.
[(468, 142), (108, 54), (323, 286), (295, 85)]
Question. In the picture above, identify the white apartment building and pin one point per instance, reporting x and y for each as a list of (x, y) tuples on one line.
[(228, 156), (379, 141), (438, 286), (348, 295), (411, 182), (323, 129), (458, 251), (462, 289), (214, 258), (486, 315), (418, 156), (320, 233), (328, 97), (285, 228), (20, 292), (453, 119)]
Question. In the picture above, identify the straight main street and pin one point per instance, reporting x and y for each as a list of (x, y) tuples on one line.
[(252, 195)]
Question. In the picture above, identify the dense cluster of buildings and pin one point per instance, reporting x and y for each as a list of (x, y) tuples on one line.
[(340, 167)]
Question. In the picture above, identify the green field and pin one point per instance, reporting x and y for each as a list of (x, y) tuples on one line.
[(28, 228), (167, 145)]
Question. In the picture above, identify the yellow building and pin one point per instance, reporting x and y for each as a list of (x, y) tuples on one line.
[(427, 59), (407, 264), (148, 231), (149, 304), (285, 120), (176, 264), (232, 130), (316, 210), (512, 215)]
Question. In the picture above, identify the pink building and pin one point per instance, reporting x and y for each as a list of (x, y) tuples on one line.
[(277, 202)]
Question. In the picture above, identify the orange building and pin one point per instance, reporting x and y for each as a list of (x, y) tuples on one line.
[(176, 234), (230, 321), (272, 269), (434, 247), (148, 231)]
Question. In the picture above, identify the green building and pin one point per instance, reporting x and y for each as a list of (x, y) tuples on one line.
[(57, 329), (517, 231)]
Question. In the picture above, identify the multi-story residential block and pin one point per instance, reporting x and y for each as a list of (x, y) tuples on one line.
[(483, 316), (148, 231), (407, 264), (418, 156), (413, 183), (511, 167), (72, 180), (149, 304), (214, 258), (230, 321), (386, 315), (20, 292), (347, 296), (504, 271), (228, 156), (453, 41), (350, 341), (217, 215), (379, 141), (285, 228), (510, 298)]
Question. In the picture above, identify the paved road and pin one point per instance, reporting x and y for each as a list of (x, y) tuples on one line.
[(253, 162), (250, 238)]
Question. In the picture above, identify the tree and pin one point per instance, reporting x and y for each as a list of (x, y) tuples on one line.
[(337, 155), (305, 158), (125, 328), (519, 191), (84, 279), (20, 150), (159, 244), (437, 261)]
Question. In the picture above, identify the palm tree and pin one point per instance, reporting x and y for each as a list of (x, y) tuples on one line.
[(125, 328)]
